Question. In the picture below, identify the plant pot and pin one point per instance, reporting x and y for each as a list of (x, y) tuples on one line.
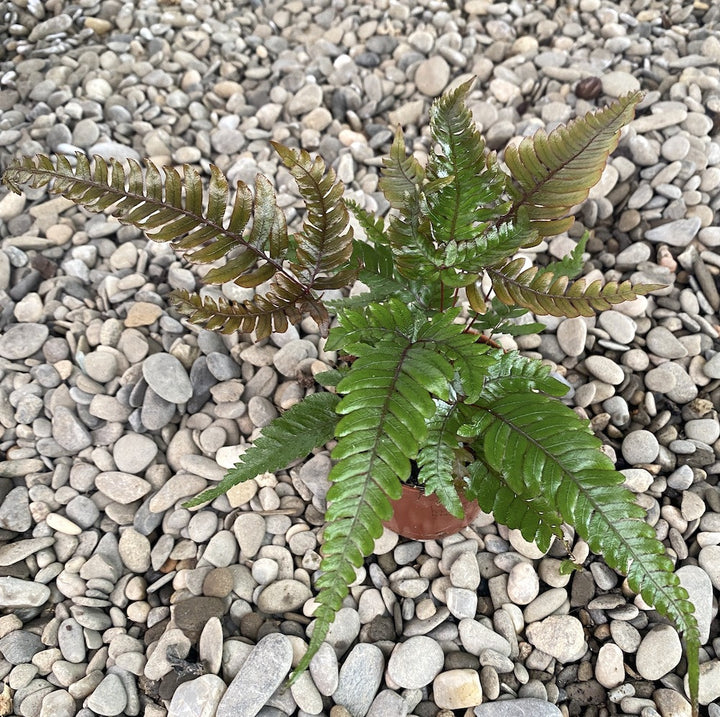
[(422, 517)]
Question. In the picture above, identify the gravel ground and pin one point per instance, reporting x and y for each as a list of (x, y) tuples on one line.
[(115, 599)]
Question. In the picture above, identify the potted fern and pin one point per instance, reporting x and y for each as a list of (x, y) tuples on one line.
[(423, 397)]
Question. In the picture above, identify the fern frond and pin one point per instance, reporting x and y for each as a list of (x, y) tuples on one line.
[(542, 448), (460, 263), (291, 436), (440, 456), (387, 400), (514, 373), (533, 515), (572, 264), (408, 231), (172, 208), (544, 292), (325, 244), (553, 172), (470, 183)]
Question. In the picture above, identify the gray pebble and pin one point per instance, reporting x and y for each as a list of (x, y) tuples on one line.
[(167, 377), (640, 447), (259, 676)]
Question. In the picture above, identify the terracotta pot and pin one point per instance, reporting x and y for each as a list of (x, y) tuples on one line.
[(422, 517)]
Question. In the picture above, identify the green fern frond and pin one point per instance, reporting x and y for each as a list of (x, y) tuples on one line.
[(544, 292), (460, 263), (408, 232), (289, 437), (514, 373), (572, 264), (542, 448), (532, 515), (553, 172), (441, 455), (386, 403), (325, 244), (470, 183)]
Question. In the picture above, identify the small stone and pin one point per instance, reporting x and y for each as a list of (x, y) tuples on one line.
[(432, 76), (123, 488), (561, 636), (142, 313), (359, 679), (259, 676), (709, 561), (475, 638), (522, 707), (675, 233), (620, 327), (700, 589), (605, 369), (69, 431), (101, 366), (283, 596), (640, 447), (457, 689), (523, 584), (571, 335), (158, 664), (22, 340), (134, 452), (306, 99), (709, 682), (19, 646), (663, 343), (71, 641), (199, 697), (609, 669), (706, 430), (15, 511), (167, 377), (109, 697), (617, 83), (659, 652), (415, 662), (134, 550)]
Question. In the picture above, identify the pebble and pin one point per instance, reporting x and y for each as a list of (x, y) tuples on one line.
[(109, 697), (415, 662), (571, 335), (432, 76), (640, 447), (457, 689), (259, 676), (167, 377), (22, 341), (560, 636), (679, 232), (605, 369), (16, 593), (523, 707), (197, 697), (359, 678), (659, 652)]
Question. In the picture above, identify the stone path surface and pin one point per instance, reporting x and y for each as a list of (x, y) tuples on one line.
[(117, 600)]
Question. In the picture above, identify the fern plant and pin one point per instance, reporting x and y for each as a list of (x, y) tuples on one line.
[(423, 397)]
